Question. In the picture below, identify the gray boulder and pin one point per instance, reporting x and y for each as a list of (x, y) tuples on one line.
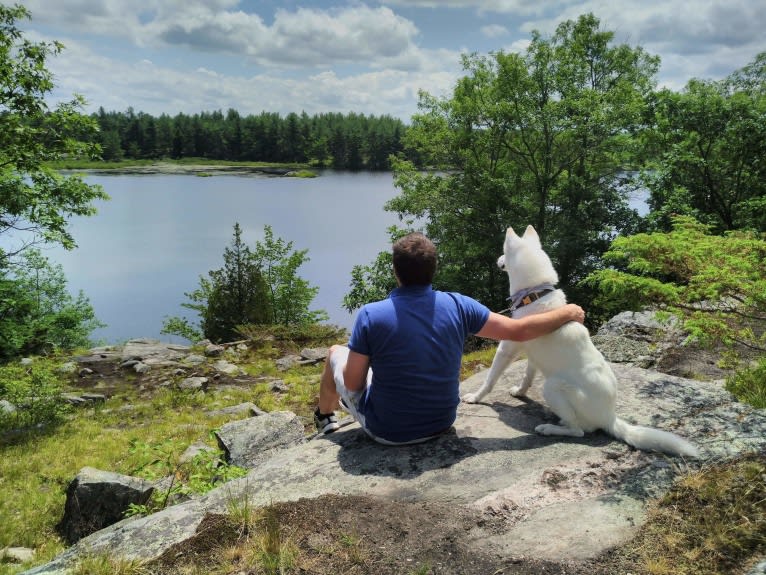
[(228, 368), (250, 441), (641, 326), (96, 499), (152, 352), (194, 384)]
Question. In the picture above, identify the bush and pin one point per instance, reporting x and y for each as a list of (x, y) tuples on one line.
[(38, 315), (291, 336), (715, 284), (35, 393), (749, 385)]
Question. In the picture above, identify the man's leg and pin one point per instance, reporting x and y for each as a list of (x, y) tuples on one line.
[(330, 387), (333, 392), (328, 394)]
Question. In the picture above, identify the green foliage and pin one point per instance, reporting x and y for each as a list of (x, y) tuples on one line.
[(255, 287), (35, 393), (717, 284), (231, 296), (275, 552), (709, 142), (181, 326), (289, 295), (37, 312), (105, 564), (237, 293), (33, 197), (204, 472), (711, 522), (299, 335), (36, 202), (352, 141), (373, 282), (749, 385), (539, 138)]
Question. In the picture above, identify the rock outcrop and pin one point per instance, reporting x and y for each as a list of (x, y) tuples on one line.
[(492, 461), (96, 499)]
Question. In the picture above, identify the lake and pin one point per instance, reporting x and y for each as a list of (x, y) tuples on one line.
[(157, 234)]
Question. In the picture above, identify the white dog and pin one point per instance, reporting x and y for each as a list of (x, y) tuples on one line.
[(580, 387)]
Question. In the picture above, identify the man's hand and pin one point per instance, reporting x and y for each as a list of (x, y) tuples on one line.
[(578, 313)]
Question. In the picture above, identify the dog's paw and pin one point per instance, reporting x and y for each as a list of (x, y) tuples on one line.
[(546, 429), (519, 391), (471, 397)]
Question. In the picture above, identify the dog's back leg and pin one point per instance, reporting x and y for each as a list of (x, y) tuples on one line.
[(506, 352), (558, 402)]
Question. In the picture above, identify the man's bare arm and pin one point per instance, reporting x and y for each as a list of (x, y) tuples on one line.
[(355, 371), (529, 327)]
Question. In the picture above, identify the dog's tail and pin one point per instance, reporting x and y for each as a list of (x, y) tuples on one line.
[(650, 439)]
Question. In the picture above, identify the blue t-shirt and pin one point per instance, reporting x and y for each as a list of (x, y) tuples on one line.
[(414, 340)]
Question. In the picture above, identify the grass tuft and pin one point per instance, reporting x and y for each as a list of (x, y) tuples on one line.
[(712, 521)]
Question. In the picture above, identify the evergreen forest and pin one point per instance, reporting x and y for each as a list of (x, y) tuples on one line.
[(340, 141)]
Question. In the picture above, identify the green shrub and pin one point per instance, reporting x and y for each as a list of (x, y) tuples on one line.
[(749, 384), (35, 392), (204, 472)]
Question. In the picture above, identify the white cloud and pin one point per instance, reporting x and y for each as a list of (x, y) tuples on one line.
[(322, 38), (153, 89), (305, 37), (525, 7), (494, 31), (170, 56)]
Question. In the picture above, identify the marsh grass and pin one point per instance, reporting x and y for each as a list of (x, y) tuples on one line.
[(712, 521), (106, 565)]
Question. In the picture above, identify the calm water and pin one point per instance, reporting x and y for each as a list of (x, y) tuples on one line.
[(149, 244)]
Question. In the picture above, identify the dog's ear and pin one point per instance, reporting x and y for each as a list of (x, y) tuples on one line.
[(510, 233), (531, 234)]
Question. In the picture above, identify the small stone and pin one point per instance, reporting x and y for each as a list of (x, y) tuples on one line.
[(194, 384), (141, 367), (17, 555)]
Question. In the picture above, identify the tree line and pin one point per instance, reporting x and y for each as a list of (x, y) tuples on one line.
[(341, 141)]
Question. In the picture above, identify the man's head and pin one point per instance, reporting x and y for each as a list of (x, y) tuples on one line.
[(414, 259)]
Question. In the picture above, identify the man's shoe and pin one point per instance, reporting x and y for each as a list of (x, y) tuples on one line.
[(325, 422)]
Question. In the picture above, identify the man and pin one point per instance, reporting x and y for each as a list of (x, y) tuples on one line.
[(399, 375)]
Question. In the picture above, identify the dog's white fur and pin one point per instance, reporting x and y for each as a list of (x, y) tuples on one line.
[(580, 387)]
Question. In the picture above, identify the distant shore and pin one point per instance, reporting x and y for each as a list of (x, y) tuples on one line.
[(197, 169)]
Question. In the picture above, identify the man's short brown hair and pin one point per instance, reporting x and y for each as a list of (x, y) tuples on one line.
[(414, 259)]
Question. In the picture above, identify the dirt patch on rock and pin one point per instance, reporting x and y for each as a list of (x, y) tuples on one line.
[(358, 535)]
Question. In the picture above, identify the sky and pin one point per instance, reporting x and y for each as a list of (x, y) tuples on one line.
[(368, 57)]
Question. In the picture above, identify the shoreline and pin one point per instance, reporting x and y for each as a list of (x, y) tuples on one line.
[(201, 170)]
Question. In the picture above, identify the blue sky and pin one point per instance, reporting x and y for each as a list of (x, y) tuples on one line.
[(371, 57)]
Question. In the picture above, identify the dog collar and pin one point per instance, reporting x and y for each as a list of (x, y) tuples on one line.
[(528, 295)]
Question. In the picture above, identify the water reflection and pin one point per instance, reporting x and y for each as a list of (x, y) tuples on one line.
[(150, 243)]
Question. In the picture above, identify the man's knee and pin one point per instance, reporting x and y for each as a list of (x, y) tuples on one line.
[(333, 349)]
